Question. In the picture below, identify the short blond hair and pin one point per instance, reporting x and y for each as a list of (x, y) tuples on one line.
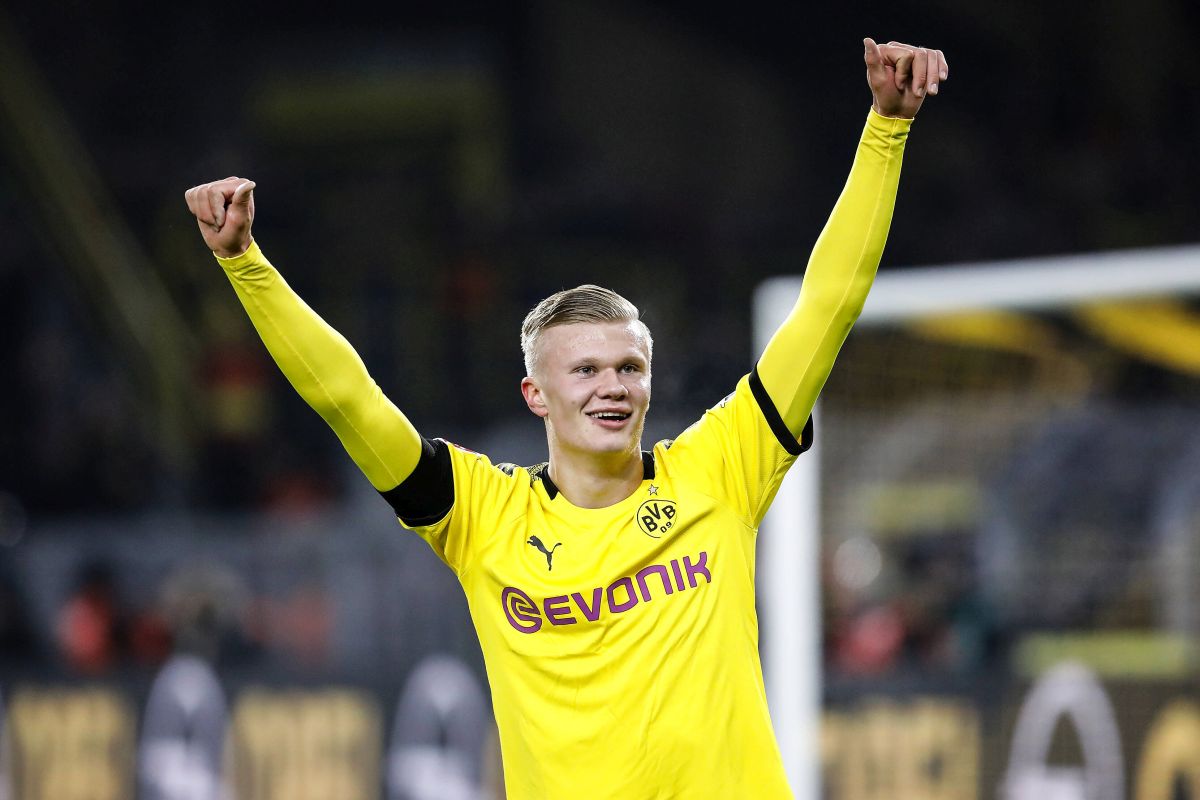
[(586, 303)]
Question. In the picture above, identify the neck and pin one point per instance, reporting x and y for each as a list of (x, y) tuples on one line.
[(592, 481)]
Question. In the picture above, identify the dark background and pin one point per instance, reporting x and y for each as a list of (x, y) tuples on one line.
[(426, 174)]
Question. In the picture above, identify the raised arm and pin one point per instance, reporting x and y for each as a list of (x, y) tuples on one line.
[(798, 359), (317, 360)]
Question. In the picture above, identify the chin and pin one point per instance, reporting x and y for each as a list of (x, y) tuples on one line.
[(623, 443), (616, 448)]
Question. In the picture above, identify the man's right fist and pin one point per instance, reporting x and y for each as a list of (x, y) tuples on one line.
[(224, 210)]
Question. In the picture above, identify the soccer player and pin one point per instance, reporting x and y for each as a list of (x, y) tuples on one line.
[(612, 588)]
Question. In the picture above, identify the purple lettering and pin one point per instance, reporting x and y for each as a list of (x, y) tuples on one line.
[(678, 574), (616, 607), (662, 573), (522, 613), (527, 616), (557, 610), (698, 568), (592, 613)]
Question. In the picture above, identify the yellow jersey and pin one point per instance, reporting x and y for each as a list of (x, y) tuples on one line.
[(621, 643)]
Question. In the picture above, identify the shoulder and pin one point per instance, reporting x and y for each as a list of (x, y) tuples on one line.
[(531, 476), (716, 423), (512, 470), (478, 466), (748, 413)]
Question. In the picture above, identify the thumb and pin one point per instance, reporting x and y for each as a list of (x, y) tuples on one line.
[(243, 194), (876, 71), (874, 60)]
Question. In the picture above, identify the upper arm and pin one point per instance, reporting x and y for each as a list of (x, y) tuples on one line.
[(326, 372), (377, 436), (426, 495), (452, 500), (798, 359)]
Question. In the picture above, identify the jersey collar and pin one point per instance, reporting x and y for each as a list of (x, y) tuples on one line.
[(542, 472)]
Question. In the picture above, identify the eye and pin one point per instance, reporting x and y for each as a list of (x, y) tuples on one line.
[(629, 369), (585, 370)]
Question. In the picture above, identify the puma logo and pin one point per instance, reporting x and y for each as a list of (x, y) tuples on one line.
[(536, 542)]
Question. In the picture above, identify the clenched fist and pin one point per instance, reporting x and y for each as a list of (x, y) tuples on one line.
[(902, 76), (224, 210)]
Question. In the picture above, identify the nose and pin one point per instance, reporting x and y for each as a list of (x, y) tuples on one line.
[(611, 386)]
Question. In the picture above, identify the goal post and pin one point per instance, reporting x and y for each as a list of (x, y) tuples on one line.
[(790, 542)]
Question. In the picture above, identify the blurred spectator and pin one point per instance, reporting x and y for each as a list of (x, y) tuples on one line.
[(947, 621), (296, 626), (869, 642), (90, 629), (928, 615), (96, 632), (205, 607)]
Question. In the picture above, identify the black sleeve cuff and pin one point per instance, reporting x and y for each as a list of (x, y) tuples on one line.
[(427, 495), (775, 419)]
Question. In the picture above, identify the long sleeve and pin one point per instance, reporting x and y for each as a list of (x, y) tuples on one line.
[(798, 359), (326, 371)]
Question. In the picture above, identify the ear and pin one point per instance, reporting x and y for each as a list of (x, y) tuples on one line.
[(533, 397)]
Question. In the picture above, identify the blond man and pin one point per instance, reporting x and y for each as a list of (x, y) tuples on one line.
[(612, 588)]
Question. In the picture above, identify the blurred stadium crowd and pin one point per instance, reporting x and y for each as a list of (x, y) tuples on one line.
[(424, 177)]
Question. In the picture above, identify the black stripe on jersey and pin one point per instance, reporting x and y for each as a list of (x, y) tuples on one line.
[(541, 472), (425, 496), (775, 419), (648, 465)]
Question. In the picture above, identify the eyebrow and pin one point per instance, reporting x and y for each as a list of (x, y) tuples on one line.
[(590, 361)]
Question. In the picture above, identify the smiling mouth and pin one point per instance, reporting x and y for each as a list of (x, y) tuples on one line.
[(609, 416)]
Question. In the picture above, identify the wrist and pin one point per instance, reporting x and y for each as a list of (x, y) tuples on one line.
[(875, 107), (241, 250)]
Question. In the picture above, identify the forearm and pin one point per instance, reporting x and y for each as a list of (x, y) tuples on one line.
[(798, 359), (326, 371)]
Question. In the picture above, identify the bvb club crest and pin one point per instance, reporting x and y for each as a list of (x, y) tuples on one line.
[(656, 517)]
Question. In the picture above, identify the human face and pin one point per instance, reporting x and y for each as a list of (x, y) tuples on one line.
[(591, 384)]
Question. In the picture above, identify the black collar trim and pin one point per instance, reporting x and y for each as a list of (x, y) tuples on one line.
[(541, 472)]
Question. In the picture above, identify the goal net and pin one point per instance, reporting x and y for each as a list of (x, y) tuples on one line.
[(1006, 480)]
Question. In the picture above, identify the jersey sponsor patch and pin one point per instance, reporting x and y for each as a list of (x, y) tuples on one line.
[(657, 580)]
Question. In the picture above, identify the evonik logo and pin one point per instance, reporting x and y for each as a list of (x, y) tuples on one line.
[(623, 594)]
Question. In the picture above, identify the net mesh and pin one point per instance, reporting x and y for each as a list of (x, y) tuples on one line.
[(1010, 523)]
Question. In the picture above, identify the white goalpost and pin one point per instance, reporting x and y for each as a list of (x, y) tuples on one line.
[(789, 555)]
